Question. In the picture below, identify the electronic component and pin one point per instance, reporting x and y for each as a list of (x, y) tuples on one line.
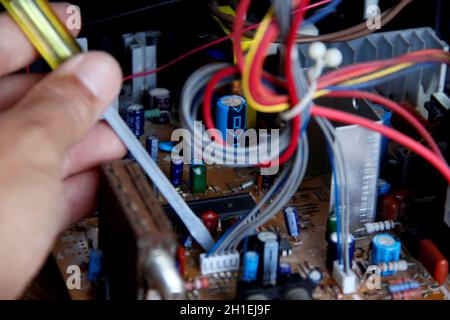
[(198, 178), (160, 99), (135, 236), (402, 285), (284, 269), (293, 287), (152, 146), (211, 221), (393, 266), (285, 247), (231, 114), (385, 248), (331, 225), (136, 119), (268, 250), (291, 219), (433, 260), (250, 267), (345, 280), (210, 264), (333, 250), (95, 265), (373, 227), (176, 170)]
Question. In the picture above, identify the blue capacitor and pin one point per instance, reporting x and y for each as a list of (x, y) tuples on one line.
[(136, 119), (332, 253), (231, 113), (284, 269), (176, 171), (151, 144), (268, 250), (385, 248), (291, 219), (95, 265), (251, 261)]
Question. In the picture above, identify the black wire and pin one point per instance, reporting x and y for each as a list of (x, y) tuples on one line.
[(131, 12)]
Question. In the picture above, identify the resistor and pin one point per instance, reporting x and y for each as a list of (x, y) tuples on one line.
[(407, 295), (393, 266), (402, 285), (374, 227), (197, 284)]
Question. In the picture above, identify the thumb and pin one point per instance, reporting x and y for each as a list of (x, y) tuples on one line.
[(65, 105)]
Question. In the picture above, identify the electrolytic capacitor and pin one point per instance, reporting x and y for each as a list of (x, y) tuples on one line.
[(231, 113), (333, 249), (268, 250), (152, 146), (197, 179), (250, 268), (136, 119), (385, 248), (160, 99), (291, 220), (176, 171), (95, 265), (211, 221)]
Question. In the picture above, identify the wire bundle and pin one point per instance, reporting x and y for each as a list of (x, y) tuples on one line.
[(292, 98)]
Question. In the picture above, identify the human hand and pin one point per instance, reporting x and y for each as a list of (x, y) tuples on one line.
[(51, 143)]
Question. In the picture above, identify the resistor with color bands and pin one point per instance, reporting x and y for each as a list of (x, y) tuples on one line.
[(379, 226)]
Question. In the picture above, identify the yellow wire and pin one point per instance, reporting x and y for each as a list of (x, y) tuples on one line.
[(246, 72)]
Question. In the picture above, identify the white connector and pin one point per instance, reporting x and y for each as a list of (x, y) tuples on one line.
[(219, 263), (346, 281)]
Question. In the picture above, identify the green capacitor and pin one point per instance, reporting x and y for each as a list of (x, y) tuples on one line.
[(331, 225), (198, 178)]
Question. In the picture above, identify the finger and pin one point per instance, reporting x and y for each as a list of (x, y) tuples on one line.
[(63, 107), (14, 87), (80, 197), (99, 146), (16, 51)]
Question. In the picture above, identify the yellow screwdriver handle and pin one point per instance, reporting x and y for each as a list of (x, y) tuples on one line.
[(46, 32)]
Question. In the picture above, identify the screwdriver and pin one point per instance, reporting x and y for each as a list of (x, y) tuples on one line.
[(54, 42)]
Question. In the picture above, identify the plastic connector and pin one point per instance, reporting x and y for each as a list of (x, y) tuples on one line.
[(219, 263), (345, 280)]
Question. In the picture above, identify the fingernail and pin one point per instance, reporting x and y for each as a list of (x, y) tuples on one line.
[(96, 72)]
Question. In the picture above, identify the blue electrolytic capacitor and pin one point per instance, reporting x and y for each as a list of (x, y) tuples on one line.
[(291, 219), (231, 113), (176, 171), (152, 146), (268, 250), (332, 253), (385, 248), (95, 265), (250, 271), (136, 119)]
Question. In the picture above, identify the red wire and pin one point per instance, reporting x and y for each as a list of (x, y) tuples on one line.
[(390, 133), (205, 46), (412, 120)]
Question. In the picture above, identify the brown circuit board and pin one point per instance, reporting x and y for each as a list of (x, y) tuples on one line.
[(309, 250)]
